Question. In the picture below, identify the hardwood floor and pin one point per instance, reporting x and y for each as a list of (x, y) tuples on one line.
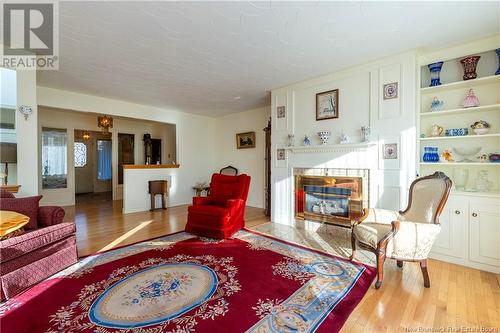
[(100, 224), (460, 299)]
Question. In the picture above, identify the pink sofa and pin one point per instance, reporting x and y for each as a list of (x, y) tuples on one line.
[(47, 246)]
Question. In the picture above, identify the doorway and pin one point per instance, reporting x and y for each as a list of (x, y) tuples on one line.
[(93, 166)]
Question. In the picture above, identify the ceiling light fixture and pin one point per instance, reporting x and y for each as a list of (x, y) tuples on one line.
[(105, 123)]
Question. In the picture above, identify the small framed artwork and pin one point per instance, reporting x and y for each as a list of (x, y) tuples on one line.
[(391, 90), (281, 111), (390, 151), (281, 158), (327, 105), (280, 154), (245, 140)]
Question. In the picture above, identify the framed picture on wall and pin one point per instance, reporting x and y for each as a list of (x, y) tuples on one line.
[(391, 90), (327, 105), (390, 151), (245, 140), (280, 159), (280, 111)]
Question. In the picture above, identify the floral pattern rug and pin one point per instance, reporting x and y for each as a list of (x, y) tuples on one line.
[(184, 283)]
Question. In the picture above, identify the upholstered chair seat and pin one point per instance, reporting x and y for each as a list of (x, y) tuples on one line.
[(370, 233), (407, 235)]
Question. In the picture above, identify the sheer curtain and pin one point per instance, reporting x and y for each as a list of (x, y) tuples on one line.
[(54, 152), (104, 160)]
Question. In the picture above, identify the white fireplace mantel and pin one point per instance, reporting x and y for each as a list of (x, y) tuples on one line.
[(338, 148)]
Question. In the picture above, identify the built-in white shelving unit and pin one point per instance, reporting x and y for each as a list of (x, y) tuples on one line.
[(470, 222), (452, 92)]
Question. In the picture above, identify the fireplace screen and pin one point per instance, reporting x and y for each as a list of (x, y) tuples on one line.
[(329, 198), (323, 200)]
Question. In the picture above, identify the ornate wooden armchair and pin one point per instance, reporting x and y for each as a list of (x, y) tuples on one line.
[(406, 235)]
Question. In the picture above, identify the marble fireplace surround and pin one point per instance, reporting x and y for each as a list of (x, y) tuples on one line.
[(336, 172), (339, 172), (334, 160)]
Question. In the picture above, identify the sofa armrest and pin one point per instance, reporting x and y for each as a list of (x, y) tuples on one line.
[(202, 201), (234, 204), (50, 215)]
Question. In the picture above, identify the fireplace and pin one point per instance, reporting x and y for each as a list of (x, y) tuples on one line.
[(330, 195)]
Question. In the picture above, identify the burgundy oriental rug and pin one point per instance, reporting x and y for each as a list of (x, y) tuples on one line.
[(182, 283)]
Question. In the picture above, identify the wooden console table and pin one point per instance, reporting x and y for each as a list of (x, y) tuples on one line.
[(11, 188)]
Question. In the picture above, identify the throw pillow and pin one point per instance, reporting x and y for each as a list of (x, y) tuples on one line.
[(27, 206), (11, 224)]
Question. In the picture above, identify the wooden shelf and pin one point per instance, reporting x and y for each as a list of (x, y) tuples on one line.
[(461, 163), (493, 107), (151, 166), (431, 138), (462, 84)]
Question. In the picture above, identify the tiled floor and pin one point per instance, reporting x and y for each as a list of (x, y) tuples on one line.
[(327, 238)]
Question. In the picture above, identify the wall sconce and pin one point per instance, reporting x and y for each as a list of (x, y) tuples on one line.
[(26, 111), (105, 123), (86, 135)]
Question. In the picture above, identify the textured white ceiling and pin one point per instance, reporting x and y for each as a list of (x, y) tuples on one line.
[(215, 58)]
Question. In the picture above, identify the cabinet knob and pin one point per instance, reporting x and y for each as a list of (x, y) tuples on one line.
[(474, 215), (457, 212)]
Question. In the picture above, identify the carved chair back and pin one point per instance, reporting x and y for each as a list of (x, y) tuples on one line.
[(229, 170), (428, 195)]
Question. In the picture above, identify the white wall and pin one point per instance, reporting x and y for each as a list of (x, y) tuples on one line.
[(360, 103), (28, 166), (194, 136), (249, 161)]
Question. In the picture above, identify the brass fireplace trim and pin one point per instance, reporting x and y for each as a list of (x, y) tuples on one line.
[(355, 183)]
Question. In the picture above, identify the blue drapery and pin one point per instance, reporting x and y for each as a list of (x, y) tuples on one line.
[(104, 160)]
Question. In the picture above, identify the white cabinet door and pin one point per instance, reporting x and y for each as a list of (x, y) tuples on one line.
[(450, 241), (484, 228)]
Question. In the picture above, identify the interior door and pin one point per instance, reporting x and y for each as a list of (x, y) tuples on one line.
[(125, 153), (155, 151), (84, 167)]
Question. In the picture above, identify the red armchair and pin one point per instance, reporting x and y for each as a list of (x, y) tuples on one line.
[(221, 214), (47, 246)]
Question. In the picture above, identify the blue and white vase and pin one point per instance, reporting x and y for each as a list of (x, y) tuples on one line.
[(498, 54), (430, 155), (435, 70)]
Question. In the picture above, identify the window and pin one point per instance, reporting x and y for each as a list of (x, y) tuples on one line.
[(54, 158), (103, 160), (80, 154)]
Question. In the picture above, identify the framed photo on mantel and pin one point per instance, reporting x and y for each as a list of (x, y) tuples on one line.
[(327, 105)]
